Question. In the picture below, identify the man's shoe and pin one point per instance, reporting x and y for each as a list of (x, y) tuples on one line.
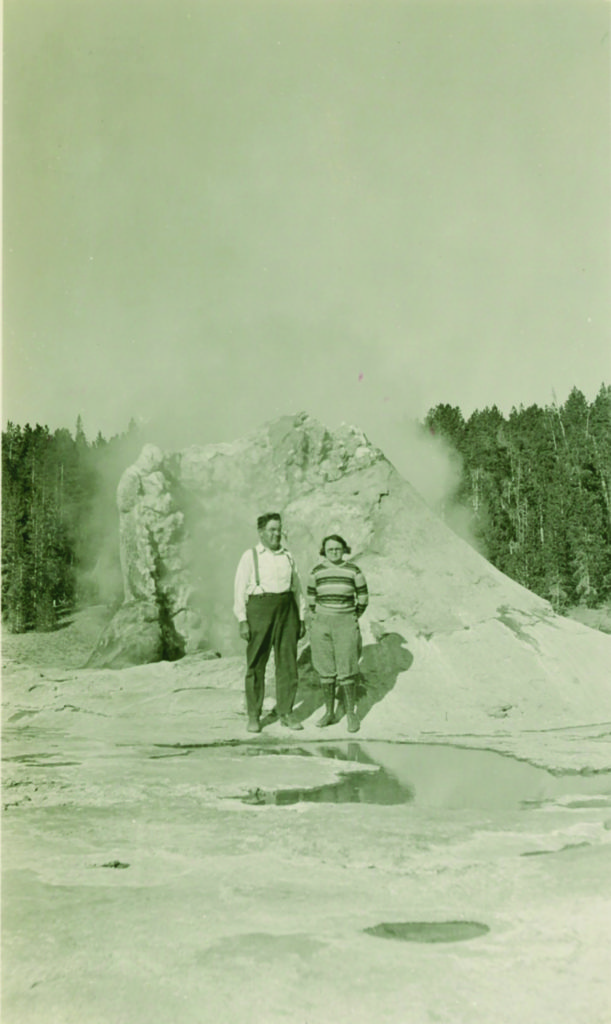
[(289, 722), (327, 719), (353, 723), (269, 718), (254, 725)]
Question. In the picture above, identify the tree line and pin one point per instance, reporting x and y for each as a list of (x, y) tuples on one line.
[(536, 486), (59, 519)]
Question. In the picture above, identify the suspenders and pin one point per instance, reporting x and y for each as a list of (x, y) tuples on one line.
[(255, 558)]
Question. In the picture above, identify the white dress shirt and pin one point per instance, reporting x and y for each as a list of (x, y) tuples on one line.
[(277, 574)]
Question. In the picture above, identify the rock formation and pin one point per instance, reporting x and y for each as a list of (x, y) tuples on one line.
[(437, 607), (185, 518), (155, 621)]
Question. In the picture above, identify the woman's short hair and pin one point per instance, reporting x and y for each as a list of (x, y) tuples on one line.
[(263, 520), (340, 540)]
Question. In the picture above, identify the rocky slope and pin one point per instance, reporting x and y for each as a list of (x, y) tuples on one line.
[(441, 618)]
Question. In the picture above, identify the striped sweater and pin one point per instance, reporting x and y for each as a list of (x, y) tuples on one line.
[(337, 588)]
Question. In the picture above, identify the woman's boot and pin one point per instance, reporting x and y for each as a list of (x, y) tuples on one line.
[(349, 691), (329, 716)]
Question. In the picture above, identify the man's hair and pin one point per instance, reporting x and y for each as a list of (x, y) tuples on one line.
[(263, 520), (340, 540)]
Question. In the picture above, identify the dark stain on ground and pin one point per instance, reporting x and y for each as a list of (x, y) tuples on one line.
[(42, 760), (172, 753), (428, 931), (508, 620), (563, 849)]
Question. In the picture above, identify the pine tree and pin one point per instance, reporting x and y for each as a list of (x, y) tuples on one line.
[(538, 486), (446, 421)]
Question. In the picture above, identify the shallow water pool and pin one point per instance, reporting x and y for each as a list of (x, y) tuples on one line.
[(425, 775)]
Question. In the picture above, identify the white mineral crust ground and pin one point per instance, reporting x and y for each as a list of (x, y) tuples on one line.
[(139, 887)]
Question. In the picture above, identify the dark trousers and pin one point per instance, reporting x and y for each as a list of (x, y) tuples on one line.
[(273, 620)]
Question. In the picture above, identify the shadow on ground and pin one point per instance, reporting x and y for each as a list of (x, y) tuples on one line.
[(381, 664)]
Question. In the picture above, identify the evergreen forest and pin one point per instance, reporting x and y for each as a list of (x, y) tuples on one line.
[(535, 486), (60, 524)]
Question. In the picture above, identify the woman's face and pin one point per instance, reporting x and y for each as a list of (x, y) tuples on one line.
[(334, 551)]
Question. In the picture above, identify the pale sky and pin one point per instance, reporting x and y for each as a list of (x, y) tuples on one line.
[(216, 213)]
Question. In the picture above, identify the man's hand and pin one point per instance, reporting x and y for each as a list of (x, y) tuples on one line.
[(245, 631), (302, 629)]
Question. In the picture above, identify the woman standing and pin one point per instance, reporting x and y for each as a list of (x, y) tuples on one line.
[(337, 596)]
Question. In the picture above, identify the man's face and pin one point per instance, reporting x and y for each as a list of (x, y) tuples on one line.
[(271, 534)]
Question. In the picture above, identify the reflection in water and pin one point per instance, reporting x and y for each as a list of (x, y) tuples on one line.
[(371, 787), (434, 776), (379, 787)]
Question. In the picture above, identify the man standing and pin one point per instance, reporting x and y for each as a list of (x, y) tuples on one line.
[(270, 609)]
